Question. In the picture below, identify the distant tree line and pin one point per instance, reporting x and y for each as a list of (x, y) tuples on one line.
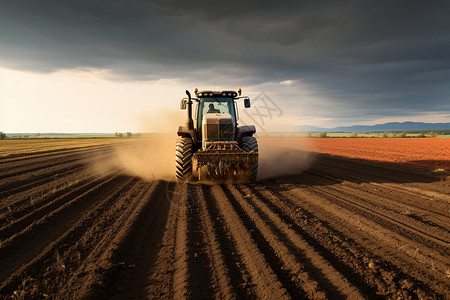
[(120, 135)]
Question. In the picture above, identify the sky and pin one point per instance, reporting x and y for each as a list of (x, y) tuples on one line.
[(106, 66)]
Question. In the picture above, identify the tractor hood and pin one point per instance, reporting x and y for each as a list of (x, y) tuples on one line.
[(217, 127)]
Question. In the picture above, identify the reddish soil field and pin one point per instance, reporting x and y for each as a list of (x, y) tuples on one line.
[(344, 228), (433, 153)]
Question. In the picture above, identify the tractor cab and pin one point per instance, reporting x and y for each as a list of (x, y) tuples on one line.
[(217, 111), (217, 108)]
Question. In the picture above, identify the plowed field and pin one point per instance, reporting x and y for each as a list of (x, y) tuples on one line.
[(432, 153), (344, 228)]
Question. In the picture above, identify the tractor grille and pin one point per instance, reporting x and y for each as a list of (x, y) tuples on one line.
[(212, 132), (219, 132)]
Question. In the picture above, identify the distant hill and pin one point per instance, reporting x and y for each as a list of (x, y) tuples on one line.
[(392, 126)]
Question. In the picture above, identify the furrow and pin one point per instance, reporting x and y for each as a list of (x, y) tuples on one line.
[(266, 282), (12, 178), (181, 273), (160, 277), (278, 254), (436, 245), (316, 269), (61, 256), (23, 246), (117, 265), (395, 212), (240, 277), (18, 178), (26, 217), (29, 159), (21, 217), (199, 259), (222, 282), (128, 265), (19, 188), (390, 201), (340, 234)]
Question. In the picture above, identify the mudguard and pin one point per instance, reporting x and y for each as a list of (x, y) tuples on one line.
[(183, 131), (246, 130)]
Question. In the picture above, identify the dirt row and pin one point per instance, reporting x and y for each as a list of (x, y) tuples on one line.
[(345, 228)]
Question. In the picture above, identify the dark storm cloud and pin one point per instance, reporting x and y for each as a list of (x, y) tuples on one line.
[(370, 57)]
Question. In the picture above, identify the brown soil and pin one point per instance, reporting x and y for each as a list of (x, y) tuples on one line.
[(345, 228)]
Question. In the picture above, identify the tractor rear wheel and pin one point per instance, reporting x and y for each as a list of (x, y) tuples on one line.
[(183, 159), (249, 143)]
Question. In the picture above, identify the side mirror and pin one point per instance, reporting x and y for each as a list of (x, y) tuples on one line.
[(183, 104), (247, 102)]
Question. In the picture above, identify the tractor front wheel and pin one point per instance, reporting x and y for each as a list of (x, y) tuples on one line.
[(183, 159)]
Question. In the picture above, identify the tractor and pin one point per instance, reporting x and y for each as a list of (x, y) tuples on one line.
[(214, 148)]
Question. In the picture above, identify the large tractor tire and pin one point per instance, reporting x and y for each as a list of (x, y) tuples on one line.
[(248, 144), (183, 159)]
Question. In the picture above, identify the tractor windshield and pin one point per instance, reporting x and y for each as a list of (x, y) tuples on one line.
[(214, 105)]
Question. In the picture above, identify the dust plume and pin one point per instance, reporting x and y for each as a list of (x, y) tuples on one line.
[(151, 157), (283, 156)]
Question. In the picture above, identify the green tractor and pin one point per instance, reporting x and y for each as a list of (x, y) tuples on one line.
[(213, 147)]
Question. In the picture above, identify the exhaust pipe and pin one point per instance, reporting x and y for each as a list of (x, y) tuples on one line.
[(189, 121)]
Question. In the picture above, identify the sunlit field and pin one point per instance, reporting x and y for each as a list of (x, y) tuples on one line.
[(10, 147)]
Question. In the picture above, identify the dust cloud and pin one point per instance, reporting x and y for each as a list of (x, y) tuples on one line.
[(152, 156), (284, 156)]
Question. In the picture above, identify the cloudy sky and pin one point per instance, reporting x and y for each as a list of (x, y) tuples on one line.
[(105, 66)]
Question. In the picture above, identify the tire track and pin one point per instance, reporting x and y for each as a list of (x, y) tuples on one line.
[(31, 210), (341, 244), (181, 273), (41, 175), (124, 252), (398, 193), (65, 252), (53, 162), (381, 206), (199, 260), (391, 202), (281, 259), (156, 247), (437, 246), (266, 283), (160, 277), (27, 157), (221, 279), (23, 246), (317, 270), (27, 217), (18, 188), (240, 278)]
